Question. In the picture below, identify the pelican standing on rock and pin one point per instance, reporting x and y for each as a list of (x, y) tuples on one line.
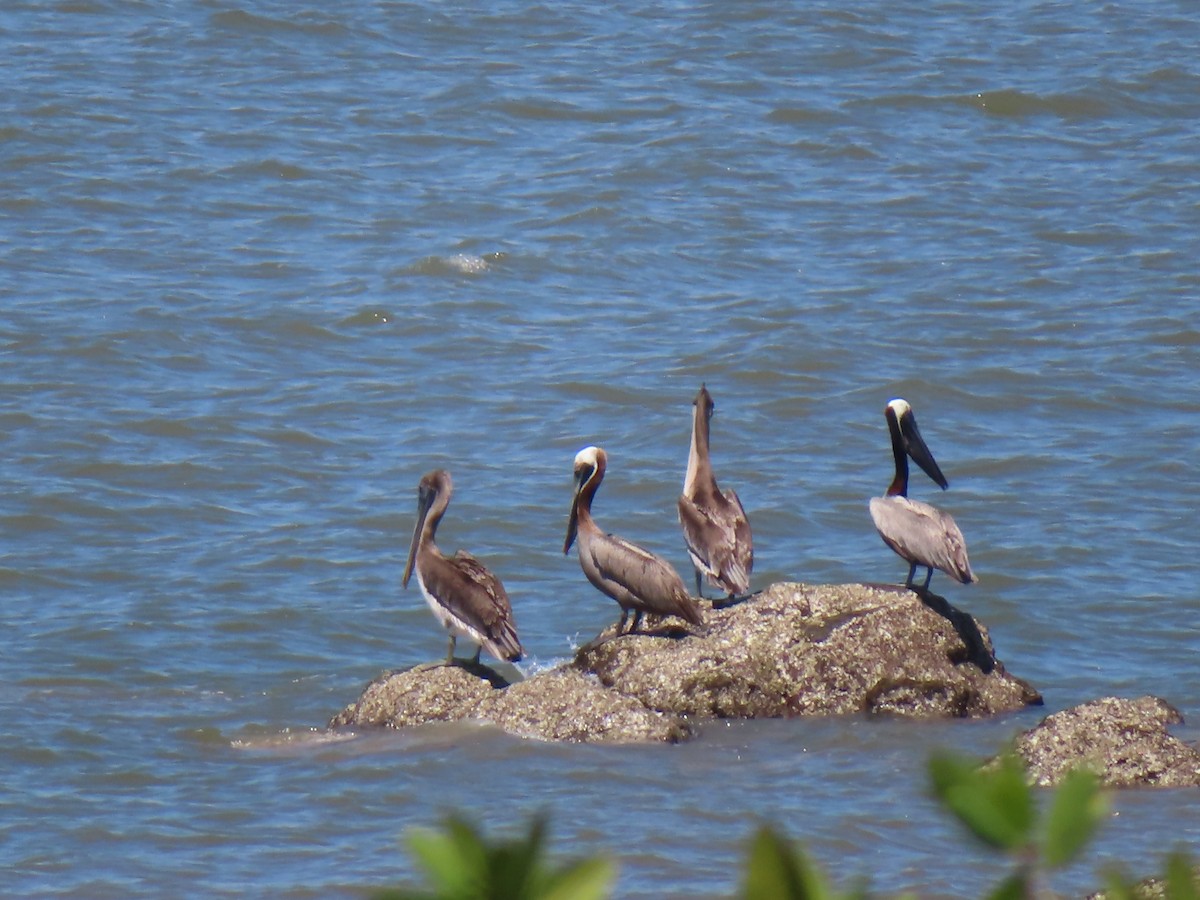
[(637, 579), (921, 534), (715, 527), (467, 599)]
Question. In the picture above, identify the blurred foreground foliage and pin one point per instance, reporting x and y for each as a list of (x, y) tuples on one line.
[(461, 864), (995, 803)]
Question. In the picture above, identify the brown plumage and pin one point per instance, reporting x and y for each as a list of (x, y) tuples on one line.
[(467, 599), (638, 580), (715, 527)]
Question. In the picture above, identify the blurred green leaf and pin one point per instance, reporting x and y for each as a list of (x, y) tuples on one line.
[(1075, 813), (777, 870), (589, 879), (514, 866), (995, 803), (461, 864), (454, 859), (1181, 878), (1014, 887), (1116, 885)]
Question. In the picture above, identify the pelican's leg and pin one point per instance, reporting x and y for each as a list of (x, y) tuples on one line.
[(699, 592), (928, 578), (732, 599), (912, 570), (475, 658), (624, 618), (450, 652), (637, 618)]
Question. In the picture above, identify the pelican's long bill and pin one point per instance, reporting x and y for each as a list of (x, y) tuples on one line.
[(920, 452), (582, 474), (424, 501), (906, 439)]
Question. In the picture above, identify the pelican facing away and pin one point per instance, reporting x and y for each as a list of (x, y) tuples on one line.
[(715, 527), (921, 534), (637, 579), (467, 599)]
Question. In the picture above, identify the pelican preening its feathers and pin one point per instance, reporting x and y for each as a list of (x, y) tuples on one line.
[(715, 527), (920, 534), (467, 599), (638, 580)]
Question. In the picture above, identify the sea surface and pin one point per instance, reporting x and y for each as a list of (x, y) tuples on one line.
[(262, 265)]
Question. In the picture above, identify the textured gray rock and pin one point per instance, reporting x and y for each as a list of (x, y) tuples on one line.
[(792, 650), (560, 705), (1125, 742), (799, 649)]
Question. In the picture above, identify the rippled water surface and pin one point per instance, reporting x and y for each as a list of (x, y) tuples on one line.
[(261, 266)]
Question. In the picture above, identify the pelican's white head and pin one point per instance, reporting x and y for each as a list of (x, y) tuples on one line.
[(587, 457)]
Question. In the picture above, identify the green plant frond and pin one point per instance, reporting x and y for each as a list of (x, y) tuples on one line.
[(515, 867), (456, 859), (402, 894), (1181, 878), (1078, 807), (588, 879), (777, 870), (995, 804), (442, 862), (1117, 885), (947, 770), (1014, 887)]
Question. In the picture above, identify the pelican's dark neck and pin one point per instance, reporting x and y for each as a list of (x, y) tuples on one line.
[(899, 485), (588, 491), (433, 518)]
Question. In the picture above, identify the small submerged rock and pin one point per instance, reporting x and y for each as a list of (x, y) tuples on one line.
[(1125, 742), (792, 650)]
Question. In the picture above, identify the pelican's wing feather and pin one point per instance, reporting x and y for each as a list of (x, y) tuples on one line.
[(922, 534)]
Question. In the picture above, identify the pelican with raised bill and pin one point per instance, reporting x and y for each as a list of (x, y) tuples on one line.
[(467, 599), (638, 580), (920, 534), (715, 527)]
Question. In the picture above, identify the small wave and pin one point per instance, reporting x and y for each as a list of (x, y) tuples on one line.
[(368, 317), (289, 739), (242, 21), (455, 264), (1018, 104)]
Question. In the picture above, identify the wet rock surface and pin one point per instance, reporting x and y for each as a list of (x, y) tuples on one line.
[(1126, 742), (792, 650)]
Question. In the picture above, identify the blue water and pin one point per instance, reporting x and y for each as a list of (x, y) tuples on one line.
[(262, 266)]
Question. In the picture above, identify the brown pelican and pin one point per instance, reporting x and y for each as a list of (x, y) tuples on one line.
[(921, 534), (715, 527), (467, 599), (637, 579)]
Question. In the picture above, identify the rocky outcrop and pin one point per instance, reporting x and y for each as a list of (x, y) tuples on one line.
[(799, 650), (1125, 742), (560, 705), (792, 650)]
